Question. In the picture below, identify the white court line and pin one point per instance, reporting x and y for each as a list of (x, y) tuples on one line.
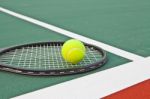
[(106, 47), (98, 85)]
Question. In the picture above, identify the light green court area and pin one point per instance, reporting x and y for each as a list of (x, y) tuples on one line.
[(123, 24)]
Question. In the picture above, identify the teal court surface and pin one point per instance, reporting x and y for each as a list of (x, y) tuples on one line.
[(121, 27)]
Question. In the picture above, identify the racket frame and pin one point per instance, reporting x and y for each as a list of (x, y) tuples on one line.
[(52, 72)]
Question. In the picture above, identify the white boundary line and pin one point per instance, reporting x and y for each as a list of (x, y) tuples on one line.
[(106, 47), (98, 85), (95, 85)]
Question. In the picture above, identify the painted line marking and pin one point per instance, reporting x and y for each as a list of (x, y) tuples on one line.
[(106, 47), (94, 77), (98, 85)]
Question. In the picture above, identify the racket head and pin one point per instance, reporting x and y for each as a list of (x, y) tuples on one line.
[(44, 58)]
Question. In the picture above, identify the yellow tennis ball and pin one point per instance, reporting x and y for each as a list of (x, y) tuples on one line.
[(73, 51)]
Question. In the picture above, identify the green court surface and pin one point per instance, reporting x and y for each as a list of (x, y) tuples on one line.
[(124, 24)]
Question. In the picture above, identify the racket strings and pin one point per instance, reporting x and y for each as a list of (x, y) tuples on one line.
[(45, 57)]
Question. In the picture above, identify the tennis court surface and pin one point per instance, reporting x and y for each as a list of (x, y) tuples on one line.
[(122, 28)]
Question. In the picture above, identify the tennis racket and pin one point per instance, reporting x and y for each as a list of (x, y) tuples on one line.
[(44, 58)]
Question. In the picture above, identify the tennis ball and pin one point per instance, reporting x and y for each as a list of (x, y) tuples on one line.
[(73, 51)]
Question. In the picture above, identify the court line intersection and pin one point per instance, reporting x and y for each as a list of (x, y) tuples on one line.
[(97, 85), (99, 82)]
